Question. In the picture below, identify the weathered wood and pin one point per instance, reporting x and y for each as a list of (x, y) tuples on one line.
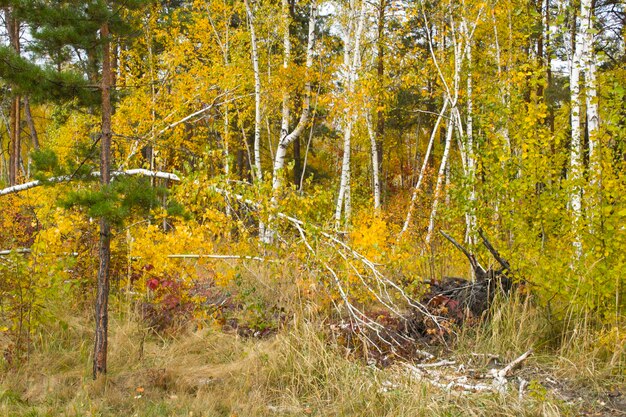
[(505, 264), (66, 178)]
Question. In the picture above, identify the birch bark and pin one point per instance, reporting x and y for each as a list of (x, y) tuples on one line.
[(257, 94), (354, 59), (422, 173), (440, 178), (288, 137), (575, 172)]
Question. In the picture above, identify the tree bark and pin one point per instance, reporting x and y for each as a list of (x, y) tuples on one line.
[(589, 63), (575, 172), (440, 177), (31, 124), (284, 126), (380, 116), (13, 30), (422, 173), (288, 138), (470, 215), (353, 59), (102, 296), (375, 161), (257, 95)]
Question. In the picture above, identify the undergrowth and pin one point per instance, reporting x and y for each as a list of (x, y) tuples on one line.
[(204, 371)]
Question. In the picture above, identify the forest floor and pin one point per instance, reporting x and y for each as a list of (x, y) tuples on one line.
[(298, 371)]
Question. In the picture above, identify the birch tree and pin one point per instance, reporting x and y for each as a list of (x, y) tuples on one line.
[(576, 169), (352, 63), (257, 93), (289, 137)]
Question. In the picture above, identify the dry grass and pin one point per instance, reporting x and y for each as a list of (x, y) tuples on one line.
[(209, 373), (299, 371)]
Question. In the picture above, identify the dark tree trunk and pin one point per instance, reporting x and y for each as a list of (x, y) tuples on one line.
[(102, 296), (31, 124), (15, 145), (540, 46), (13, 30), (548, 51), (380, 69)]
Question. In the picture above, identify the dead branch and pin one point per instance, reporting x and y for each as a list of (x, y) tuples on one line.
[(202, 256), (374, 281), (476, 266), (499, 377), (504, 372), (505, 264), (66, 178), (450, 380)]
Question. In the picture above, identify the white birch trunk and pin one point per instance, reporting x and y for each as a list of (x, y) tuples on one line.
[(588, 59), (344, 200), (440, 178), (471, 155), (284, 126), (422, 173), (374, 154), (575, 172), (288, 138), (257, 95)]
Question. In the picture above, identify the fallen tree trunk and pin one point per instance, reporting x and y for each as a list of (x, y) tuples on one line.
[(66, 178)]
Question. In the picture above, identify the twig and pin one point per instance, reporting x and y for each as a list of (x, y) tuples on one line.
[(442, 362)]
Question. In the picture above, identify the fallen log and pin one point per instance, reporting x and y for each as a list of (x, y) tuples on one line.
[(66, 178)]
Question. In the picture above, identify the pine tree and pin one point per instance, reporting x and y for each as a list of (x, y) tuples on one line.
[(85, 27)]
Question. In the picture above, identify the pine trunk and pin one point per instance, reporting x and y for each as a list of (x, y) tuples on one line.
[(102, 296)]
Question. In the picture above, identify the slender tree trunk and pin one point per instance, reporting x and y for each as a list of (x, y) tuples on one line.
[(297, 161), (575, 172), (15, 145), (588, 59), (375, 162), (540, 43), (548, 61), (286, 140), (284, 125), (344, 202), (380, 116), (440, 177), (31, 124), (102, 296), (470, 215), (257, 95), (13, 30), (422, 173)]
